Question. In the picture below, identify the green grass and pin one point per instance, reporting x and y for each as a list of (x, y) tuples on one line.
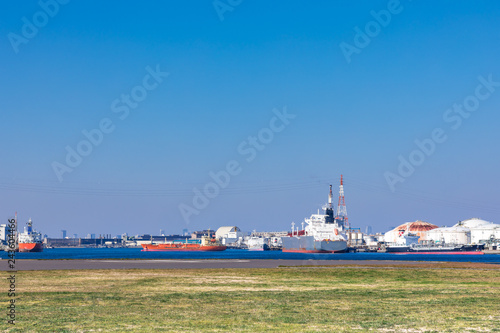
[(257, 300)]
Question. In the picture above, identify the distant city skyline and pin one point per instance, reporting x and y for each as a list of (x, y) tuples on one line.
[(195, 115)]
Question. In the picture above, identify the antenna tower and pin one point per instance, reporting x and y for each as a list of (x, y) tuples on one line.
[(341, 208)]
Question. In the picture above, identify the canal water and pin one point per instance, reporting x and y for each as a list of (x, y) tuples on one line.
[(127, 253)]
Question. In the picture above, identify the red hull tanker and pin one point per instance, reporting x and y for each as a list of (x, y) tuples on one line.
[(29, 240), (205, 245), (30, 247)]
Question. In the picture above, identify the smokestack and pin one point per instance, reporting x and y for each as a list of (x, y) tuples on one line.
[(330, 198)]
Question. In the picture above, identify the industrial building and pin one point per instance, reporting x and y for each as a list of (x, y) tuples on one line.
[(481, 231), (229, 235), (200, 234), (4, 233), (471, 231)]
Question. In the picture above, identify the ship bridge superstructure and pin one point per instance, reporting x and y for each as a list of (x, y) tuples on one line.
[(30, 235)]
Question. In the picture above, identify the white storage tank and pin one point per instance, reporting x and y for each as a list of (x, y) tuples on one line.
[(452, 235), (481, 231), (370, 240), (485, 233)]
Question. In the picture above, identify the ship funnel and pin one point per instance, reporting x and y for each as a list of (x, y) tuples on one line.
[(330, 198)]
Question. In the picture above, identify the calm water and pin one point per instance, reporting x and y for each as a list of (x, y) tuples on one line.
[(123, 253)]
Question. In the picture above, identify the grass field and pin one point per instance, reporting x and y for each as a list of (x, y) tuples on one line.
[(257, 300)]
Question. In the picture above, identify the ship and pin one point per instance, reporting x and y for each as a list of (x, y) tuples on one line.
[(30, 240), (323, 233), (205, 244), (407, 243), (257, 244), (471, 249)]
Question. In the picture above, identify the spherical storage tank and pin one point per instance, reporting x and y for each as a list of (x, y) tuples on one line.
[(420, 228)]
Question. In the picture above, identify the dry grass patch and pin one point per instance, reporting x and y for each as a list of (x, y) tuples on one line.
[(256, 300)]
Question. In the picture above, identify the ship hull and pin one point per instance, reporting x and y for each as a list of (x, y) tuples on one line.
[(30, 247), (182, 247), (464, 249), (263, 247), (307, 244), (444, 252)]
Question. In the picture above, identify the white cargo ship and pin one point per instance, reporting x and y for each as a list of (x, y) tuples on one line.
[(322, 234)]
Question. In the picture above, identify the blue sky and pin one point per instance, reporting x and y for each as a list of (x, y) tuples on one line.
[(225, 79)]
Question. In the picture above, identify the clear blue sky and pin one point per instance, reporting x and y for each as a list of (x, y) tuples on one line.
[(225, 78)]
